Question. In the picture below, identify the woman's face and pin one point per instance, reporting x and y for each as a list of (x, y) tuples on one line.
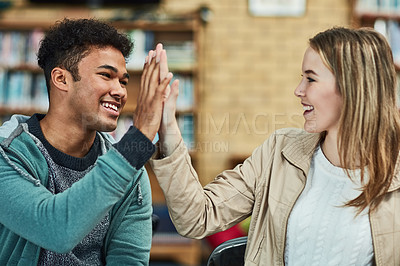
[(319, 95)]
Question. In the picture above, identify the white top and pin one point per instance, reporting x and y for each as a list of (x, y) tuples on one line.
[(322, 232)]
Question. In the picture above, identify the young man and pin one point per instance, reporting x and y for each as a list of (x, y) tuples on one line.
[(68, 195)]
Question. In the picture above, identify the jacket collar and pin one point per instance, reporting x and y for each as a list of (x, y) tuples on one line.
[(9, 126), (300, 150)]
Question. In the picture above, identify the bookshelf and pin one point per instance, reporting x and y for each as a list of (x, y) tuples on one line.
[(23, 90), (384, 16), (22, 85)]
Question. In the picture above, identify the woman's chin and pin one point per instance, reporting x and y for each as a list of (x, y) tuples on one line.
[(311, 128)]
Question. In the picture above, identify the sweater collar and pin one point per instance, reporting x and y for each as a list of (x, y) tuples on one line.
[(60, 158), (396, 178)]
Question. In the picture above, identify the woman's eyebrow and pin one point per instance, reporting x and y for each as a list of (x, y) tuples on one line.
[(309, 71)]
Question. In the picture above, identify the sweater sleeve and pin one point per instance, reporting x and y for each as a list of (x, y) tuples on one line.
[(59, 222), (135, 147), (130, 237)]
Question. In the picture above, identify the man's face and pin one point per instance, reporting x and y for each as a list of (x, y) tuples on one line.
[(97, 99)]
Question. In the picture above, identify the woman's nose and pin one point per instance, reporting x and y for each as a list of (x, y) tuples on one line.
[(299, 91)]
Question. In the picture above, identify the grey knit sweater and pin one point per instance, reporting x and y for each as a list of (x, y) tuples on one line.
[(64, 171)]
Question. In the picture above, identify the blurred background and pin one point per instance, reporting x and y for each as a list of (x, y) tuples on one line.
[(238, 61)]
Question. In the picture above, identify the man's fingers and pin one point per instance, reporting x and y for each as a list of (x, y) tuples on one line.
[(143, 89), (152, 66), (154, 82)]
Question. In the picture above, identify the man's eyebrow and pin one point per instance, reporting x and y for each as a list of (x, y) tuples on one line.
[(113, 69)]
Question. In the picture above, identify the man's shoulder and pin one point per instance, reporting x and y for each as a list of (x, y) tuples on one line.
[(9, 126)]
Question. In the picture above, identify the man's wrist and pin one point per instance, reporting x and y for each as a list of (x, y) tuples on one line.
[(135, 147)]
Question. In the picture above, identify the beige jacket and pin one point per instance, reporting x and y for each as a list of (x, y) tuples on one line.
[(266, 186)]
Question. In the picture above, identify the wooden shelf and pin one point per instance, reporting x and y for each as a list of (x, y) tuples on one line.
[(185, 253), (23, 67), (167, 25), (6, 111)]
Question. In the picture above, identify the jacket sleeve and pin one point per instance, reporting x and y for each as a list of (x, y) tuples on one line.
[(59, 222), (198, 212), (130, 240)]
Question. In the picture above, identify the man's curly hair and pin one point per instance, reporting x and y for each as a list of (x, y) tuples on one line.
[(69, 41)]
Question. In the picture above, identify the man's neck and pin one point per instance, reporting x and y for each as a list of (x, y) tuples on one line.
[(66, 136)]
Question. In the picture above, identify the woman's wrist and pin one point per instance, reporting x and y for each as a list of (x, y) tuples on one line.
[(169, 140)]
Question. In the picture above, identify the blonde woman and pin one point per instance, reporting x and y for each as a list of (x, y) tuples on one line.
[(325, 195)]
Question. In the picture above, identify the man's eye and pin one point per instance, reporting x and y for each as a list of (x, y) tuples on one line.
[(123, 82), (105, 75), (310, 79)]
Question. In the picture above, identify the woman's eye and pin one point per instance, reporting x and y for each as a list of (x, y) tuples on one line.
[(310, 79)]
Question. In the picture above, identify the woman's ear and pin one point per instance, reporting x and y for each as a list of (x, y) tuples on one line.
[(59, 78)]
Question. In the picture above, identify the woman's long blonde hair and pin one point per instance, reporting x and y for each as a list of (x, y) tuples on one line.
[(369, 132)]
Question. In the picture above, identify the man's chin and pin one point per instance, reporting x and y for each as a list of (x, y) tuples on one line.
[(109, 127)]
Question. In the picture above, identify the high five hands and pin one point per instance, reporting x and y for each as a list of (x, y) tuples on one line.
[(156, 103)]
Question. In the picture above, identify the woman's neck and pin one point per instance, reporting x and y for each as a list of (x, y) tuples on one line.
[(330, 148)]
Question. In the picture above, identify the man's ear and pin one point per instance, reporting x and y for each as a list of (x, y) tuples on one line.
[(59, 78)]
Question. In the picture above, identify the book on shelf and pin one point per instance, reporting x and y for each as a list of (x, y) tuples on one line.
[(378, 6), (185, 101), (391, 30), (143, 42), (15, 93), (21, 90), (3, 77), (22, 85), (39, 94), (181, 54), (186, 126), (19, 47)]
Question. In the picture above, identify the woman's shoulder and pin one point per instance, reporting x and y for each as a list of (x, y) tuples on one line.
[(291, 139), (293, 134)]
